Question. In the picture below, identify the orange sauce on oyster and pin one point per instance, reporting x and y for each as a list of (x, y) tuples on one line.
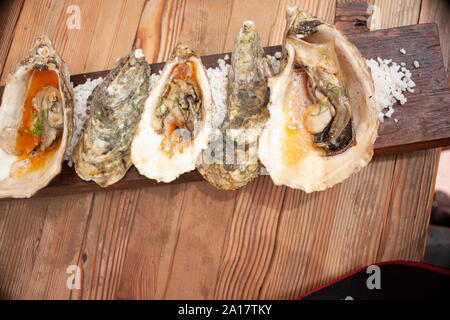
[(186, 71), (26, 142), (296, 141)]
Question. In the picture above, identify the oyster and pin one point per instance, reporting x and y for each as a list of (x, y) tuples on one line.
[(224, 165), (323, 122), (35, 121), (176, 121), (114, 109)]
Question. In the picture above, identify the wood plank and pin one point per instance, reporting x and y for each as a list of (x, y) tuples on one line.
[(42, 237), (250, 241), (404, 233), (425, 113), (327, 234), (39, 239), (205, 212), (152, 243), (104, 33), (9, 14), (105, 245), (59, 247), (347, 235), (27, 29), (352, 16), (438, 12), (396, 13), (205, 215), (221, 209)]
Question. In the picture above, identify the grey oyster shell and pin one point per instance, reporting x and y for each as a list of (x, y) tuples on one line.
[(231, 160), (114, 109), (43, 56)]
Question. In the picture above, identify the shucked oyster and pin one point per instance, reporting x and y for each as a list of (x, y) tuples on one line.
[(323, 122), (231, 159), (35, 121), (114, 109), (176, 121)]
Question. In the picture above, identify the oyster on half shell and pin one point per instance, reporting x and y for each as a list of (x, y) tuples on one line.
[(176, 121), (323, 121), (35, 121), (231, 159), (114, 109)]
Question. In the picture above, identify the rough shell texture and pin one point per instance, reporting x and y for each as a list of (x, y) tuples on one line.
[(146, 151), (317, 171), (247, 98), (42, 56), (114, 109)]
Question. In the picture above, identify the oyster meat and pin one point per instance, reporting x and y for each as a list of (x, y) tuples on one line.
[(114, 109), (231, 159), (35, 121), (176, 121), (323, 121)]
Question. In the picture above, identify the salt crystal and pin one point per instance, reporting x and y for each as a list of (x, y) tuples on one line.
[(390, 80), (81, 94)]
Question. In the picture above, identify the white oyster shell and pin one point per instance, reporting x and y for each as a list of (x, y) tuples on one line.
[(146, 151), (315, 170), (43, 56)]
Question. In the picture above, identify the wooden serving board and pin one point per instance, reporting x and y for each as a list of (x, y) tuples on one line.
[(423, 122)]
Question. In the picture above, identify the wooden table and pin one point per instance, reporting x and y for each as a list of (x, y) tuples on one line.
[(190, 240)]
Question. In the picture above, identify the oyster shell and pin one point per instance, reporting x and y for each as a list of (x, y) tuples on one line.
[(176, 121), (35, 121), (114, 109), (223, 165), (323, 121)]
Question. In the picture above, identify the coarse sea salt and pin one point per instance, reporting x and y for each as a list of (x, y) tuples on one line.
[(218, 81), (154, 77), (218, 77), (275, 61), (390, 80)]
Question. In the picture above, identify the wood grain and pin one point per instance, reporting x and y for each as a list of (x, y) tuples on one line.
[(438, 12), (40, 239), (152, 243), (9, 14), (104, 33), (250, 241), (396, 13), (189, 240), (352, 16), (105, 245), (329, 233)]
